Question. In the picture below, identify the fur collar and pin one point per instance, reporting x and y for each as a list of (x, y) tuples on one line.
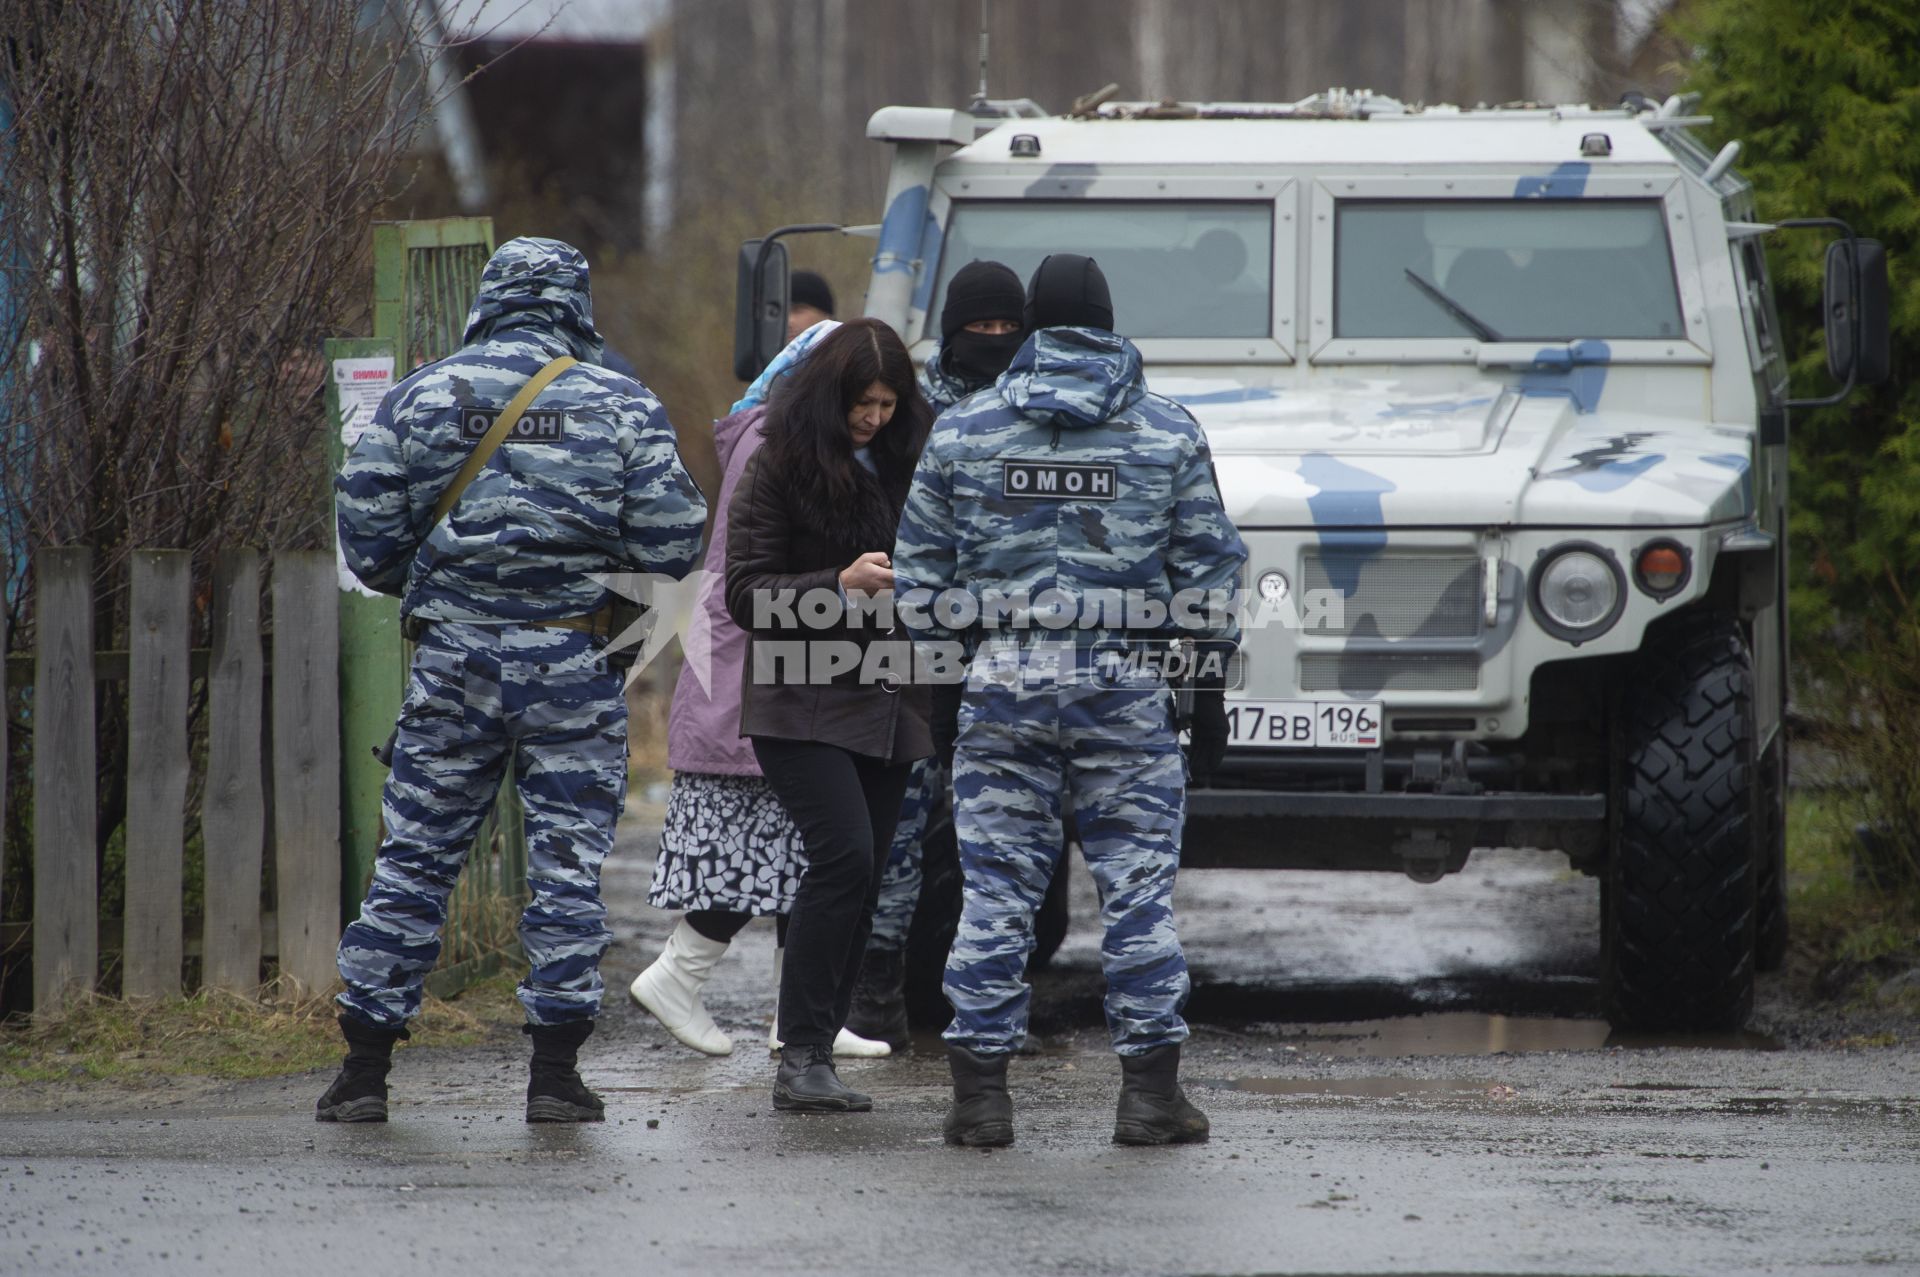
[(868, 522)]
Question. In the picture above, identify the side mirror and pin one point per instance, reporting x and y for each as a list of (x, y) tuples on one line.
[(1858, 328), (759, 306), (1859, 331)]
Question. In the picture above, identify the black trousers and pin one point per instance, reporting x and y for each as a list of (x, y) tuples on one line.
[(845, 806), (724, 924)]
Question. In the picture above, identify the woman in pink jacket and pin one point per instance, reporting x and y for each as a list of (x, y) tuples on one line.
[(729, 853)]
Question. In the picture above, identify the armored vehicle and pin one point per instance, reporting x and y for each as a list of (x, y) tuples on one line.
[(1498, 399)]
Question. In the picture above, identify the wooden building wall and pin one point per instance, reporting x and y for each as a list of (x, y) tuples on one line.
[(783, 88)]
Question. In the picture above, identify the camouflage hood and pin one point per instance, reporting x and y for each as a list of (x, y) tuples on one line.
[(541, 285), (940, 387), (1073, 377)]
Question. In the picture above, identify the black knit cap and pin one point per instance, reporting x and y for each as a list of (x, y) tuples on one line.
[(1069, 291), (981, 290), (807, 288)]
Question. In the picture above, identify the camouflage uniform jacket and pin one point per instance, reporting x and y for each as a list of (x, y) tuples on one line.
[(940, 387), (590, 482), (1067, 474)]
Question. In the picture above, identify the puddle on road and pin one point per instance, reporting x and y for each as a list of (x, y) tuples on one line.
[(679, 1092), (1470, 1033), (1742, 1040), (1775, 1105), (1450, 1033), (1367, 1088)]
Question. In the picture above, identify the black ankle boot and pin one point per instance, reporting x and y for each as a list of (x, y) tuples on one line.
[(555, 1092), (880, 999), (806, 1083), (982, 1112), (359, 1090), (1153, 1108)]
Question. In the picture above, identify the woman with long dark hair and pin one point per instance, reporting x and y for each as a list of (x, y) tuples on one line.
[(728, 850), (834, 720)]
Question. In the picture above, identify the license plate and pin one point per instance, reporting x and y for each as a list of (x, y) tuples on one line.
[(1304, 724)]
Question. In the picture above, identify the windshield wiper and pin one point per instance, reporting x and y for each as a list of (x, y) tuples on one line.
[(1481, 328)]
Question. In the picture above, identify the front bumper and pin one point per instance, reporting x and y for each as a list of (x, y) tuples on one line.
[(1422, 835)]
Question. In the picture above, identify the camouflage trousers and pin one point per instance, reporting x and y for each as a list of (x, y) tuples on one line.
[(1113, 751), (900, 880), (481, 696)]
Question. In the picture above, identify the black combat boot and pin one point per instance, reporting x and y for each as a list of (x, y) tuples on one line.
[(555, 1092), (1153, 1108), (359, 1090), (806, 1083), (982, 1112), (880, 999)]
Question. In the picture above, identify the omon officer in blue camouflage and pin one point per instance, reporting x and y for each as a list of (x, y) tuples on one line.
[(982, 325), (1068, 476), (502, 599)]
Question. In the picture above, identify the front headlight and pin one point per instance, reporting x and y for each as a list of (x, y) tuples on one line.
[(1577, 591)]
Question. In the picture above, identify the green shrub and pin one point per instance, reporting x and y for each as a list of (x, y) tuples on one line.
[(1825, 97)]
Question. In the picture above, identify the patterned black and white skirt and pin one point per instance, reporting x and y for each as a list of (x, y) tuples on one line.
[(727, 844)]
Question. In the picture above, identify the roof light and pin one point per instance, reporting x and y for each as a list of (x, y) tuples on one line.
[(1721, 163), (1025, 145), (1596, 144)]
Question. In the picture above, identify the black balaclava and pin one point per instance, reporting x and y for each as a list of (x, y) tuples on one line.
[(980, 290), (807, 288), (1068, 291)]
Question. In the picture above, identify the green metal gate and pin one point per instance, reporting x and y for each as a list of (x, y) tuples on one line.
[(424, 277), (425, 274)]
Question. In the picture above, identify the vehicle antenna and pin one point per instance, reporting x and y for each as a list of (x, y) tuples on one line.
[(980, 97)]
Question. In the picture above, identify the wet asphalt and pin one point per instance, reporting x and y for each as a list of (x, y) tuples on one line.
[(1402, 1079)]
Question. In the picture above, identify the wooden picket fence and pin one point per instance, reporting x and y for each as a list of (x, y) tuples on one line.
[(292, 717)]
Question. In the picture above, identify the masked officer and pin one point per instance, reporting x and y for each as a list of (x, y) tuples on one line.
[(501, 597), (982, 324), (1069, 477)]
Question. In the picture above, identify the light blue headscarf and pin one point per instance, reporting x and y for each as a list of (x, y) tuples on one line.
[(784, 362)]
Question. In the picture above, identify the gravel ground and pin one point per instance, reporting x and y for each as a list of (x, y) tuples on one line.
[(1402, 1078)]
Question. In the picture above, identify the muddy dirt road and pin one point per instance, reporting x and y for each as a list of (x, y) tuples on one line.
[(1401, 1078)]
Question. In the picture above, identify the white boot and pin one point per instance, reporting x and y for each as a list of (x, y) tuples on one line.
[(844, 1042), (670, 989), (847, 1042), (773, 1029)]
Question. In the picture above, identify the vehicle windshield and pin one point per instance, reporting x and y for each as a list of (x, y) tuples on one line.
[(1175, 270), (1522, 271)]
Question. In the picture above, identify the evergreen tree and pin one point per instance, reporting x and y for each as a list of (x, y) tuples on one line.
[(1825, 97)]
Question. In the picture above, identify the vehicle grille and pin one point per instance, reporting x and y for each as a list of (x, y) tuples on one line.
[(1365, 673), (1399, 596)]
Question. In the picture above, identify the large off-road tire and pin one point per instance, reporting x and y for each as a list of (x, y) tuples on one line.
[(1679, 915), (1770, 924)]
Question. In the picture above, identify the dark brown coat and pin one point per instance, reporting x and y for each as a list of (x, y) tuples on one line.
[(774, 544)]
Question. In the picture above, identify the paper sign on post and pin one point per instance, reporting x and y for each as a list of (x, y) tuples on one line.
[(362, 384), (359, 384)]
